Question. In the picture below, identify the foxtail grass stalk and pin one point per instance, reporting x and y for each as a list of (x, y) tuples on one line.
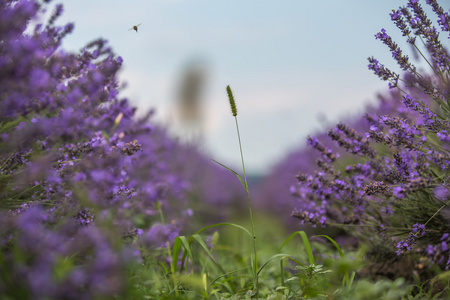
[(255, 262)]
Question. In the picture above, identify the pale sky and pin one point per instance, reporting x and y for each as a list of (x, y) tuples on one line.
[(291, 64)]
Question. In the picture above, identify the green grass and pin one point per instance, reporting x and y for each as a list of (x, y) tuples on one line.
[(227, 261), (215, 263)]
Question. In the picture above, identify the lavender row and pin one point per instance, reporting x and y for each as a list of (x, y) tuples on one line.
[(384, 177), (88, 189)]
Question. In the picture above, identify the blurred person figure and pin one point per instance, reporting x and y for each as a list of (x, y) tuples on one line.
[(189, 101)]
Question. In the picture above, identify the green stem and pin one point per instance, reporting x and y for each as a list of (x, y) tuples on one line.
[(439, 74), (255, 263), (161, 215), (446, 203)]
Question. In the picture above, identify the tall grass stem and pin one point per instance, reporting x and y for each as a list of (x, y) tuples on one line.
[(255, 263)]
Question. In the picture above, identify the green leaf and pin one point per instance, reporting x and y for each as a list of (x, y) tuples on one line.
[(226, 274), (175, 251), (202, 243), (244, 184), (305, 243), (180, 241), (225, 224), (352, 277), (347, 280), (188, 250), (215, 239), (334, 243), (282, 255)]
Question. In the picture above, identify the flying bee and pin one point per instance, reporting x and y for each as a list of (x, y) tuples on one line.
[(135, 27)]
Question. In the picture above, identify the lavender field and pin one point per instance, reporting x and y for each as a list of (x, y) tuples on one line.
[(99, 201)]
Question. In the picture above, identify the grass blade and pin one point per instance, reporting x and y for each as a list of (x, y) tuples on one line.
[(202, 243), (305, 243), (334, 243), (282, 255), (175, 252), (347, 280), (225, 224), (187, 247), (235, 173)]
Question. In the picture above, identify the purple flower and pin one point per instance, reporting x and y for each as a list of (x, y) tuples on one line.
[(158, 235), (408, 243), (442, 193), (78, 179), (398, 192)]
